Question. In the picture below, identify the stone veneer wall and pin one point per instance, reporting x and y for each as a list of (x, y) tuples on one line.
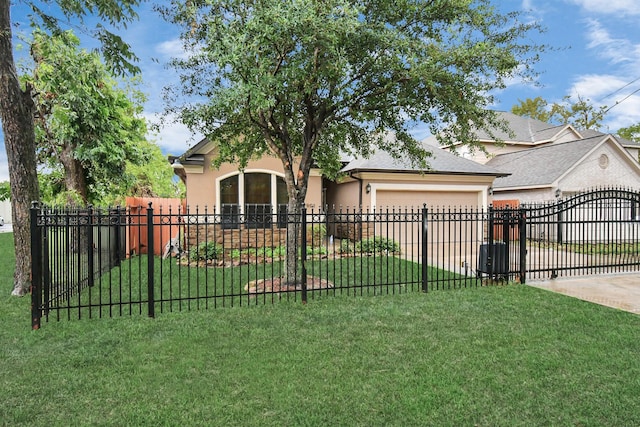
[(244, 238)]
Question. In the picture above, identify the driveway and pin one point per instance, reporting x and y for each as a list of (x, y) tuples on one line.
[(621, 291), (7, 228)]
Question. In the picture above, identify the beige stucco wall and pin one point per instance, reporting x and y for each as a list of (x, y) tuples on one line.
[(202, 182), (389, 190), (344, 195)]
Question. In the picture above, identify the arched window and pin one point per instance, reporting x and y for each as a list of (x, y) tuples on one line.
[(252, 198)]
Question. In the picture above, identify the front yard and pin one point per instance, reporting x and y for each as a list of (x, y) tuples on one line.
[(500, 355)]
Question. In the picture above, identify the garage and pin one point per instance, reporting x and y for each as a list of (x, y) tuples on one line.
[(401, 198)]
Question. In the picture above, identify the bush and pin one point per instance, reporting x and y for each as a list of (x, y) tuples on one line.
[(370, 246), (316, 234), (379, 244), (206, 251)]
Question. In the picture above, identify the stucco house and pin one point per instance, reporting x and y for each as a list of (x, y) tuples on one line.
[(379, 182)]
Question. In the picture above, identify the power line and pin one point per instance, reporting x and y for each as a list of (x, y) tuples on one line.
[(619, 89), (622, 100)]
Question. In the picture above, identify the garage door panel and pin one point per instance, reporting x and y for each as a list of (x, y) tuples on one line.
[(403, 198)]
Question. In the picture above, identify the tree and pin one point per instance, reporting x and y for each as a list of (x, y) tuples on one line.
[(17, 107), (5, 191), (86, 123), (535, 108), (580, 114), (154, 178), (632, 133), (308, 81)]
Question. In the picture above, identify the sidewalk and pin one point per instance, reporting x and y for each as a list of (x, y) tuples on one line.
[(621, 291)]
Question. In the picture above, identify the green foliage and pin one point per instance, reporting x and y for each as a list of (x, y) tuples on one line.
[(112, 14), (370, 246), (87, 127), (632, 133), (206, 251), (153, 178), (316, 80), (316, 233), (581, 113), (535, 108), (5, 191)]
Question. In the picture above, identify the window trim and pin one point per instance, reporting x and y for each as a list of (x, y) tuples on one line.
[(274, 192)]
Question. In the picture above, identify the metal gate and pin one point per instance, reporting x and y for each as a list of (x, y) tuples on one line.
[(594, 232)]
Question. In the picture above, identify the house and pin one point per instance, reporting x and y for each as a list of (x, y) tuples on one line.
[(247, 199), (378, 182), (562, 169), (541, 161)]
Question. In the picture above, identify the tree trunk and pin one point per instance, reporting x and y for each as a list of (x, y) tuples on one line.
[(74, 179), (294, 223), (16, 113)]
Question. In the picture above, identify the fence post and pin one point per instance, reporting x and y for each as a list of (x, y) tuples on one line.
[(522, 231), (425, 275), (491, 247), (90, 249), (36, 268), (150, 258), (303, 255), (559, 228), (507, 217)]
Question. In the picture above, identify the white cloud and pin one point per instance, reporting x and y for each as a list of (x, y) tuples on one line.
[(173, 137), (616, 50), (626, 7), (171, 49)]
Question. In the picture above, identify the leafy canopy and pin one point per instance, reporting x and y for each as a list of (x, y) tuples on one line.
[(581, 113), (111, 14), (316, 80), (85, 120), (632, 133)]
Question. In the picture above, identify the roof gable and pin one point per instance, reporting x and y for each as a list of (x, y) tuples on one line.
[(526, 130), (542, 166)]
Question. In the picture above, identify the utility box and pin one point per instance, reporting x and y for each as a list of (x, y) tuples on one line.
[(500, 260)]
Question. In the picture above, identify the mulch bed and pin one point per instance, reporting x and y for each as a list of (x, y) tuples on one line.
[(277, 285)]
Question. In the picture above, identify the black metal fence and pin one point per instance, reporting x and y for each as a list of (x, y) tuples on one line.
[(124, 261)]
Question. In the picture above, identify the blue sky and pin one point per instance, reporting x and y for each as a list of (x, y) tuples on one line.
[(596, 56)]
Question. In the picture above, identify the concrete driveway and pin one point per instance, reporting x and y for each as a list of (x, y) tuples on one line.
[(621, 291), (7, 228)]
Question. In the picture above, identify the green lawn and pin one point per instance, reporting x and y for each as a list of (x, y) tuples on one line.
[(502, 355)]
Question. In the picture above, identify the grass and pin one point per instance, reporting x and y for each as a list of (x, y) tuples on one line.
[(123, 290), (503, 355)]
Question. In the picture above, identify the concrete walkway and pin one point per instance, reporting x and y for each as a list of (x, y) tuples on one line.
[(621, 291)]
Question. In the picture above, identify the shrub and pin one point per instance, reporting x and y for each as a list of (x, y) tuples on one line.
[(379, 244), (316, 233), (206, 251), (370, 246), (347, 246)]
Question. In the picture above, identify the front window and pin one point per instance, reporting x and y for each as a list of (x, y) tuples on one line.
[(249, 198)]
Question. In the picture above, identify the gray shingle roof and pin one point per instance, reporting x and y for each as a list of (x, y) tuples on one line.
[(525, 129), (442, 162), (543, 165)]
